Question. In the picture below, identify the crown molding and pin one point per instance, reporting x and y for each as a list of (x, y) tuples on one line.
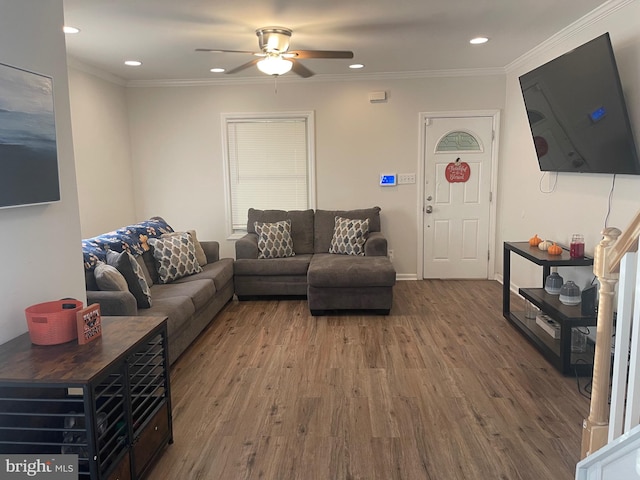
[(76, 64), (568, 32), (199, 82)]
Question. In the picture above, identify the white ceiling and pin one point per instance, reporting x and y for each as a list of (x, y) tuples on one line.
[(388, 36)]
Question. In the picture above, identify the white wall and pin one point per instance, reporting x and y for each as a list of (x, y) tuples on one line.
[(42, 258), (579, 202), (102, 152), (177, 149)]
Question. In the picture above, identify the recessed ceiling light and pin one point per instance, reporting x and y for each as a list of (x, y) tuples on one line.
[(69, 29), (133, 63), (355, 66), (478, 40), (217, 70)]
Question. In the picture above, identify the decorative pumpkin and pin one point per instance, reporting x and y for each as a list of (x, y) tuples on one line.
[(544, 245), (535, 240), (554, 250)]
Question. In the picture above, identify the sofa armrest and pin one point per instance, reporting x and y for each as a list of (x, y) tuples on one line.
[(113, 303), (211, 250), (247, 246), (376, 245)]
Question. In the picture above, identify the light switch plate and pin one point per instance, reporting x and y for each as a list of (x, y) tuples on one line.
[(404, 178)]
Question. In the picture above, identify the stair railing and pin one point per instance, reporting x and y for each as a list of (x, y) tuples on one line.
[(615, 258)]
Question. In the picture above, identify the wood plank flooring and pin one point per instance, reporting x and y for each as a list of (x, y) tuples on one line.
[(443, 388)]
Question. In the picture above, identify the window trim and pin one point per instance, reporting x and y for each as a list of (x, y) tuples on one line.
[(308, 116)]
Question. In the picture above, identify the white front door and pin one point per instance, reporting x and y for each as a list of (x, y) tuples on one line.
[(456, 203)]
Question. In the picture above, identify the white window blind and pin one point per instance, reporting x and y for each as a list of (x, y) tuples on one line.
[(268, 165)]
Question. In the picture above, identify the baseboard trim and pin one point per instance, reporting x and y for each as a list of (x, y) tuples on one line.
[(406, 276)]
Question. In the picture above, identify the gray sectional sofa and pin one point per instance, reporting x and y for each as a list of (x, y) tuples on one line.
[(190, 302), (330, 281)]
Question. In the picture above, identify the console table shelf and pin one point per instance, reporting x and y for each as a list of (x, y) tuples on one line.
[(108, 401), (556, 351)]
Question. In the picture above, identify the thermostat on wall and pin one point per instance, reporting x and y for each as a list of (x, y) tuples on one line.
[(388, 179)]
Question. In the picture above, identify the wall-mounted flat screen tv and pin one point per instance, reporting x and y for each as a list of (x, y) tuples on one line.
[(577, 113), (28, 153)]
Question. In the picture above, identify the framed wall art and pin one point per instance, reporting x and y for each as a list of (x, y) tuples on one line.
[(28, 150)]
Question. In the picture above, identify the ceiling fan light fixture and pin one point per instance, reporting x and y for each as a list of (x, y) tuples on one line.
[(275, 65), (273, 39)]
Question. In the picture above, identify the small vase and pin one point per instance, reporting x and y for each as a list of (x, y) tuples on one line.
[(553, 283), (570, 293)]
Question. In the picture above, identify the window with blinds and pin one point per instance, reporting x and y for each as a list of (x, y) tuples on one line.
[(269, 164)]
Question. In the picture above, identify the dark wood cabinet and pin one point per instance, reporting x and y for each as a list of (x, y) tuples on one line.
[(557, 351), (107, 401)]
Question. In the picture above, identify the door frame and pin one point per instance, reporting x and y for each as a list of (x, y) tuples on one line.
[(495, 116)]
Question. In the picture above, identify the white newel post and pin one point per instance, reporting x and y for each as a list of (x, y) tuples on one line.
[(595, 428)]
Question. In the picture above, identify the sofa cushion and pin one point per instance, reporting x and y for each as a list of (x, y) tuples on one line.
[(199, 291), (301, 225), (274, 239), (297, 265), (175, 256), (349, 236), (108, 278), (132, 273), (221, 272), (329, 270), (324, 224), (178, 309)]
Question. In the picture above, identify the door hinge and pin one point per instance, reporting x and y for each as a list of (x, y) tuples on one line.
[(493, 134), (488, 254), (490, 197)]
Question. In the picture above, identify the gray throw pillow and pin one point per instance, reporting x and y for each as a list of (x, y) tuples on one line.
[(108, 278)]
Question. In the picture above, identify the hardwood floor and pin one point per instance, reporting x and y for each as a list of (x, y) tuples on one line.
[(443, 388)]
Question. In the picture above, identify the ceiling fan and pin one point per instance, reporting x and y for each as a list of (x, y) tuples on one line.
[(275, 58)]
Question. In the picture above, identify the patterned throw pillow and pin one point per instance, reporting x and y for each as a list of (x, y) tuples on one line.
[(200, 255), (274, 239), (175, 256), (349, 236)]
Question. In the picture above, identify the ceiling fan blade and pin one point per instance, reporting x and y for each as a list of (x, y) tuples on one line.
[(301, 70), (219, 50), (321, 53), (244, 66)]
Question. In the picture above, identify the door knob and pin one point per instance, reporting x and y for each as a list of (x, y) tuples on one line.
[(428, 209)]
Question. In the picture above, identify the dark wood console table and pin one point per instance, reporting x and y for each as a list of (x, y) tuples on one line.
[(556, 351), (108, 401)]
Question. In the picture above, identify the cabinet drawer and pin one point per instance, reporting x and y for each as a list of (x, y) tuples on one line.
[(123, 470), (154, 435)]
